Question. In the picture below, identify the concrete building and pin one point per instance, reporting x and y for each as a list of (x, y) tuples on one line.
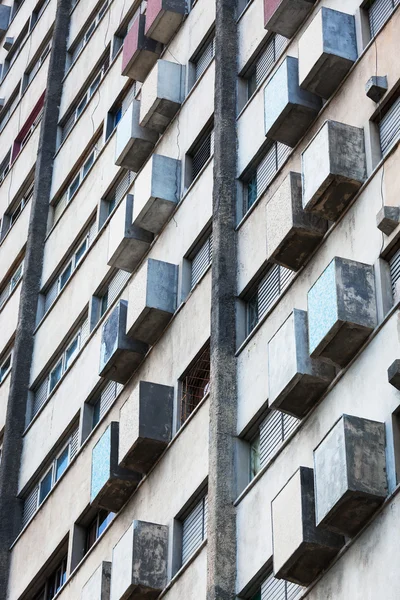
[(199, 293)]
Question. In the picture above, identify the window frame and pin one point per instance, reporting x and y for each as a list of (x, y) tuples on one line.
[(5, 371), (85, 36)]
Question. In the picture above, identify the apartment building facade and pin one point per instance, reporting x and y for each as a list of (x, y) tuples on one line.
[(199, 267)]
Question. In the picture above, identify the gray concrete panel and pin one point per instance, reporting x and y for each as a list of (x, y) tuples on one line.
[(134, 143), (140, 52), (163, 18), (286, 16), (161, 95), (98, 586)]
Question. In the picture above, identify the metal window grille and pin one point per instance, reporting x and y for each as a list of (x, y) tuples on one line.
[(264, 173), (273, 432), (269, 289), (278, 589), (389, 127), (379, 13), (195, 384), (194, 529), (204, 59), (202, 154), (30, 505), (116, 285), (394, 265), (201, 261)]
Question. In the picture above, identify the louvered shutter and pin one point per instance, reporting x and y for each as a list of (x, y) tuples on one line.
[(204, 59), (265, 62), (201, 156), (68, 125), (92, 232), (389, 127), (379, 13), (194, 529), (116, 285), (130, 96), (84, 331), (266, 170), (122, 187), (282, 153), (74, 444), (278, 589), (201, 261), (30, 505), (271, 287), (394, 265), (273, 431), (40, 397), (107, 397), (51, 295)]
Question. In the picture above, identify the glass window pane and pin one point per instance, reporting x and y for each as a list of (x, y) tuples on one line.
[(94, 85), (45, 486), (80, 252), (71, 351), (105, 519), (88, 164), (65, 275), (62, 463), (251, 84), (103, 304), (55, 376), (74, 186), (81, 106), (254, 457)]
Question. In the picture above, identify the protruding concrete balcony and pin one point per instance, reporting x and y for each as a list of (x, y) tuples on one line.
[(152, 300), (111, 486), (334, 168), (145, 425), (157, 192), (289, 110), (297, 382), (134, 143), (161, 95), (327, 51), (5, 12), (127, 243), (350, 474), (341, 310), (163, 18), (286, 16), (292, 234), (301, 550), (393, 373), (140, 53), (139, 562), (119, 355), (98, 586)]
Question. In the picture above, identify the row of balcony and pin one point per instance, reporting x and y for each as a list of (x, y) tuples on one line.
[(319, 507)]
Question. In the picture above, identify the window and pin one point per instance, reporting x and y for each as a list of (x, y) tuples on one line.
[(16, 6), (109, 294), (201, 261), (15, 49), (80, 105), (77, 180), (259, 178), (268, 290), (11, 284), (5, 367), (53, 472), (203, 58), (198, 157), (277, 589), (379, 11), (115, 195), (61, 365), (103, 401), (84, 38), (15, 210), (264, 63), (194, 529), (97, 526), (273, 431), (394, 265), (389, 127), (54, 583), (195, 384), (119, 109), (5, 166), (57, 285), (30, 74), (31, 123), (37, 13), (8, 109)]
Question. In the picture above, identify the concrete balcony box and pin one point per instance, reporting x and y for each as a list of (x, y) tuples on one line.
[(289, 110), (140, 53), (152, 300), (286, 16), (333, 168), (127, 243), (163, 18), (327, 51), (350, 474), (341, 311), (98, 586), (134, 143), (161, 95), (388, 219), (139, 562), (5, 12), (394, 374), (292, 234), (301, 551), (145, 425), (296, 383), (156, 192), (119, 355), (111, 485), (376, 87)]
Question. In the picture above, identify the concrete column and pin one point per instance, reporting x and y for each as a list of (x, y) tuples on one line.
[(221, 565), (10, 505)]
